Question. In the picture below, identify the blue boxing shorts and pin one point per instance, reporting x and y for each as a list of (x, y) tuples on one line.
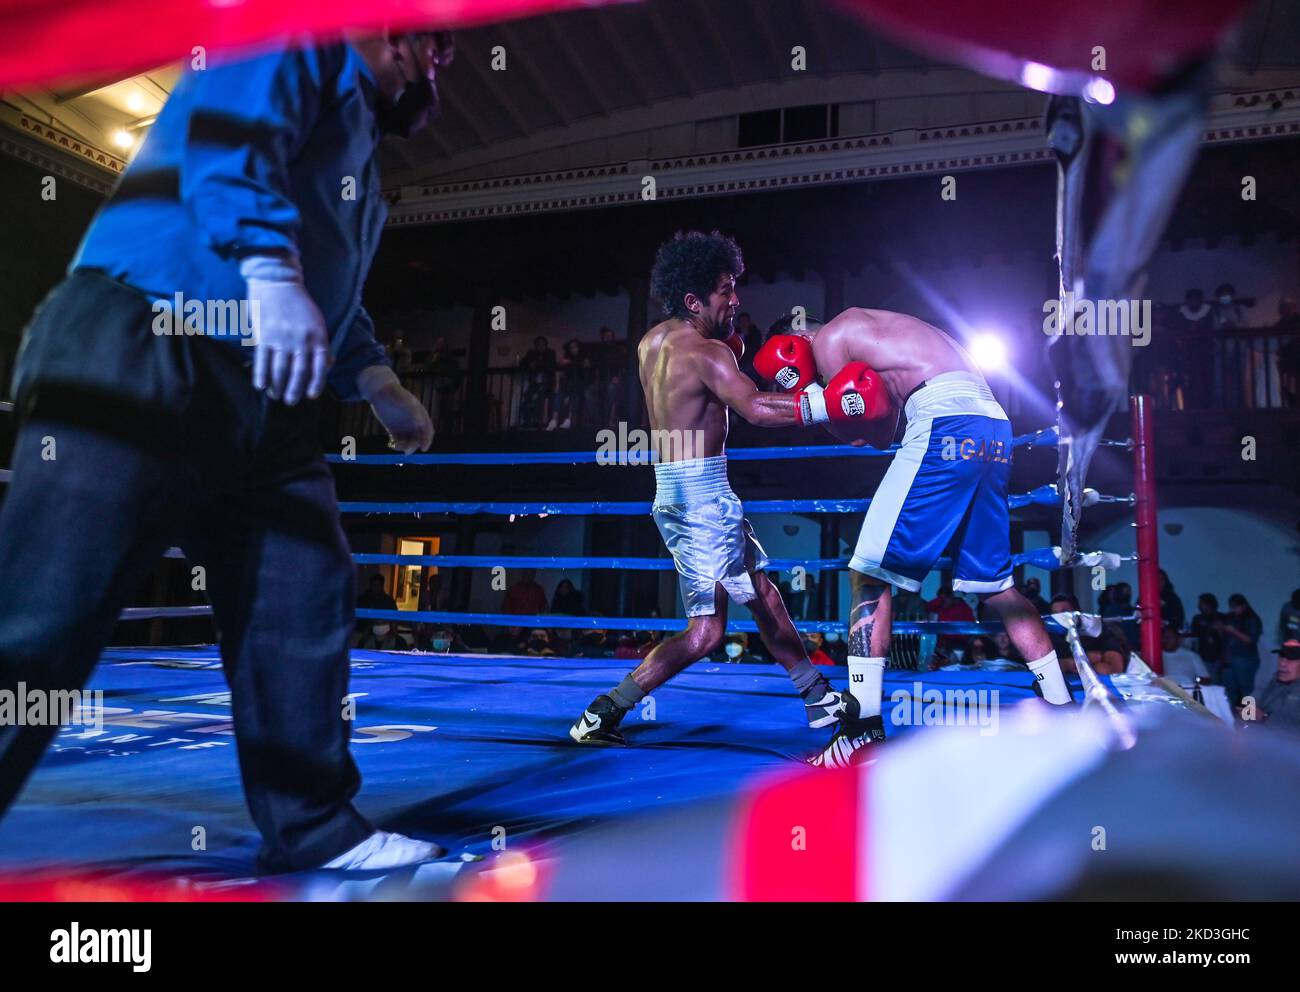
[(947, 484), (704, 528)]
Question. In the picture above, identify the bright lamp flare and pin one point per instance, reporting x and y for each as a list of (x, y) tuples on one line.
[(989, 352)]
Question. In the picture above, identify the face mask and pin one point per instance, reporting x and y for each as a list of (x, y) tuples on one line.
[(1225, 300), (381, 629), (734, 650), (833, 637), (537, 644), (418, 100), (441, 644)]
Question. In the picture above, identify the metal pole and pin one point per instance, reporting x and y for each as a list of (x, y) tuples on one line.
[(1141, 409)]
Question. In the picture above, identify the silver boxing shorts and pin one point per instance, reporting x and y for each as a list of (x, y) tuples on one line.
[(704, 528)]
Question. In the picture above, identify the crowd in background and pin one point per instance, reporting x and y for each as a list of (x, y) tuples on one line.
[(1205, 352)]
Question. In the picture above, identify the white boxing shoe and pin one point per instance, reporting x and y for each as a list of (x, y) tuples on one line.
[(383, 851)]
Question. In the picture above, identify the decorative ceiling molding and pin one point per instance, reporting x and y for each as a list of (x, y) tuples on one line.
[(60, 153), (892, 155)]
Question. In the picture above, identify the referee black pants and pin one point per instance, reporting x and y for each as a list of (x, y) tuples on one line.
[(130, 442)]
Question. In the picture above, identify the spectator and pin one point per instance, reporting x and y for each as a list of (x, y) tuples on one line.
[(432, 587), (1004, 657), (1171, 607), (538, 368), (1288, 626), (445, 376), (440, 640), (383, 636), (611, 365), (1241, 630), (401, 355), (592, 644), (1288, 353), (1205, 629), (1119, 604), (1033, 591), (376, 596), (1062, 603), (1279, 703), (567, 600), (947, 607), (538, 644), (1196, 314), (526, 597), (751, 334), (1108, 653), (1229, 308), (634, 646), (833, 644), (575, 373), (734, 649), (1181, 664), (814, 643)]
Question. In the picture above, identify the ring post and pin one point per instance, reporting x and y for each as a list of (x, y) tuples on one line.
[(1141, 409)]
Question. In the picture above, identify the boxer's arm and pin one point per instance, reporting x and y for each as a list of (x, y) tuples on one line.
[(880, 432), (723, 378), (248, 121)]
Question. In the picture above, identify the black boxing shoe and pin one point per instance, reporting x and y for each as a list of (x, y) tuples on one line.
[(850, 744), (830, 707), (599, 723)]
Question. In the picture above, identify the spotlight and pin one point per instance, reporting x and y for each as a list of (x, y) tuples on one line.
[(989, 351), (1098, 90), (123, 139)]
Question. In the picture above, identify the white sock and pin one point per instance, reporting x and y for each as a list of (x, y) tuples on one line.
[(1048, 672), (866, 682)]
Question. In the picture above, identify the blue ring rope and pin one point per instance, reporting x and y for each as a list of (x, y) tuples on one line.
[(1039, 558), (1047, 437), (558, 621), (1045, 495)]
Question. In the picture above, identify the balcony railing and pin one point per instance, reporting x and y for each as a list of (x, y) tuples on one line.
[(510, 403), (1244, 369)]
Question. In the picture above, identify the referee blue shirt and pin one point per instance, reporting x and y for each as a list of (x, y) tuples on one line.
[(272, 155)]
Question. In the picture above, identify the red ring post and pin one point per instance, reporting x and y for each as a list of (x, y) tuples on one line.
[(1142, 414)]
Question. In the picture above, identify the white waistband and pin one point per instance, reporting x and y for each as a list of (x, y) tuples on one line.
[(692, 480), (953, 394)]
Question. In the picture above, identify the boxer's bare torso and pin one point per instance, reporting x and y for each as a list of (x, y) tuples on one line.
[(687, 419), (904, 350)]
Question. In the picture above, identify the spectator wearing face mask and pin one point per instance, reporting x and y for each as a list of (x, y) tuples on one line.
[(813, 643), (1205, 631), (383, 636), (1033, 591), (439, 640), (592, 644), (1288, 624), (734, 649), (538, 644)]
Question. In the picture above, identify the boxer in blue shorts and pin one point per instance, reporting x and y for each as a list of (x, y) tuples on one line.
[(946, 486)]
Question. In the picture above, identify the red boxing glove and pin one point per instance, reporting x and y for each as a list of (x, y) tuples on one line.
[(853, 397), (787, 360), (737, 344)]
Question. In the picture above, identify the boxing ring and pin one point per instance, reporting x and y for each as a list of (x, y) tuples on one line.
[(472, 749)]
